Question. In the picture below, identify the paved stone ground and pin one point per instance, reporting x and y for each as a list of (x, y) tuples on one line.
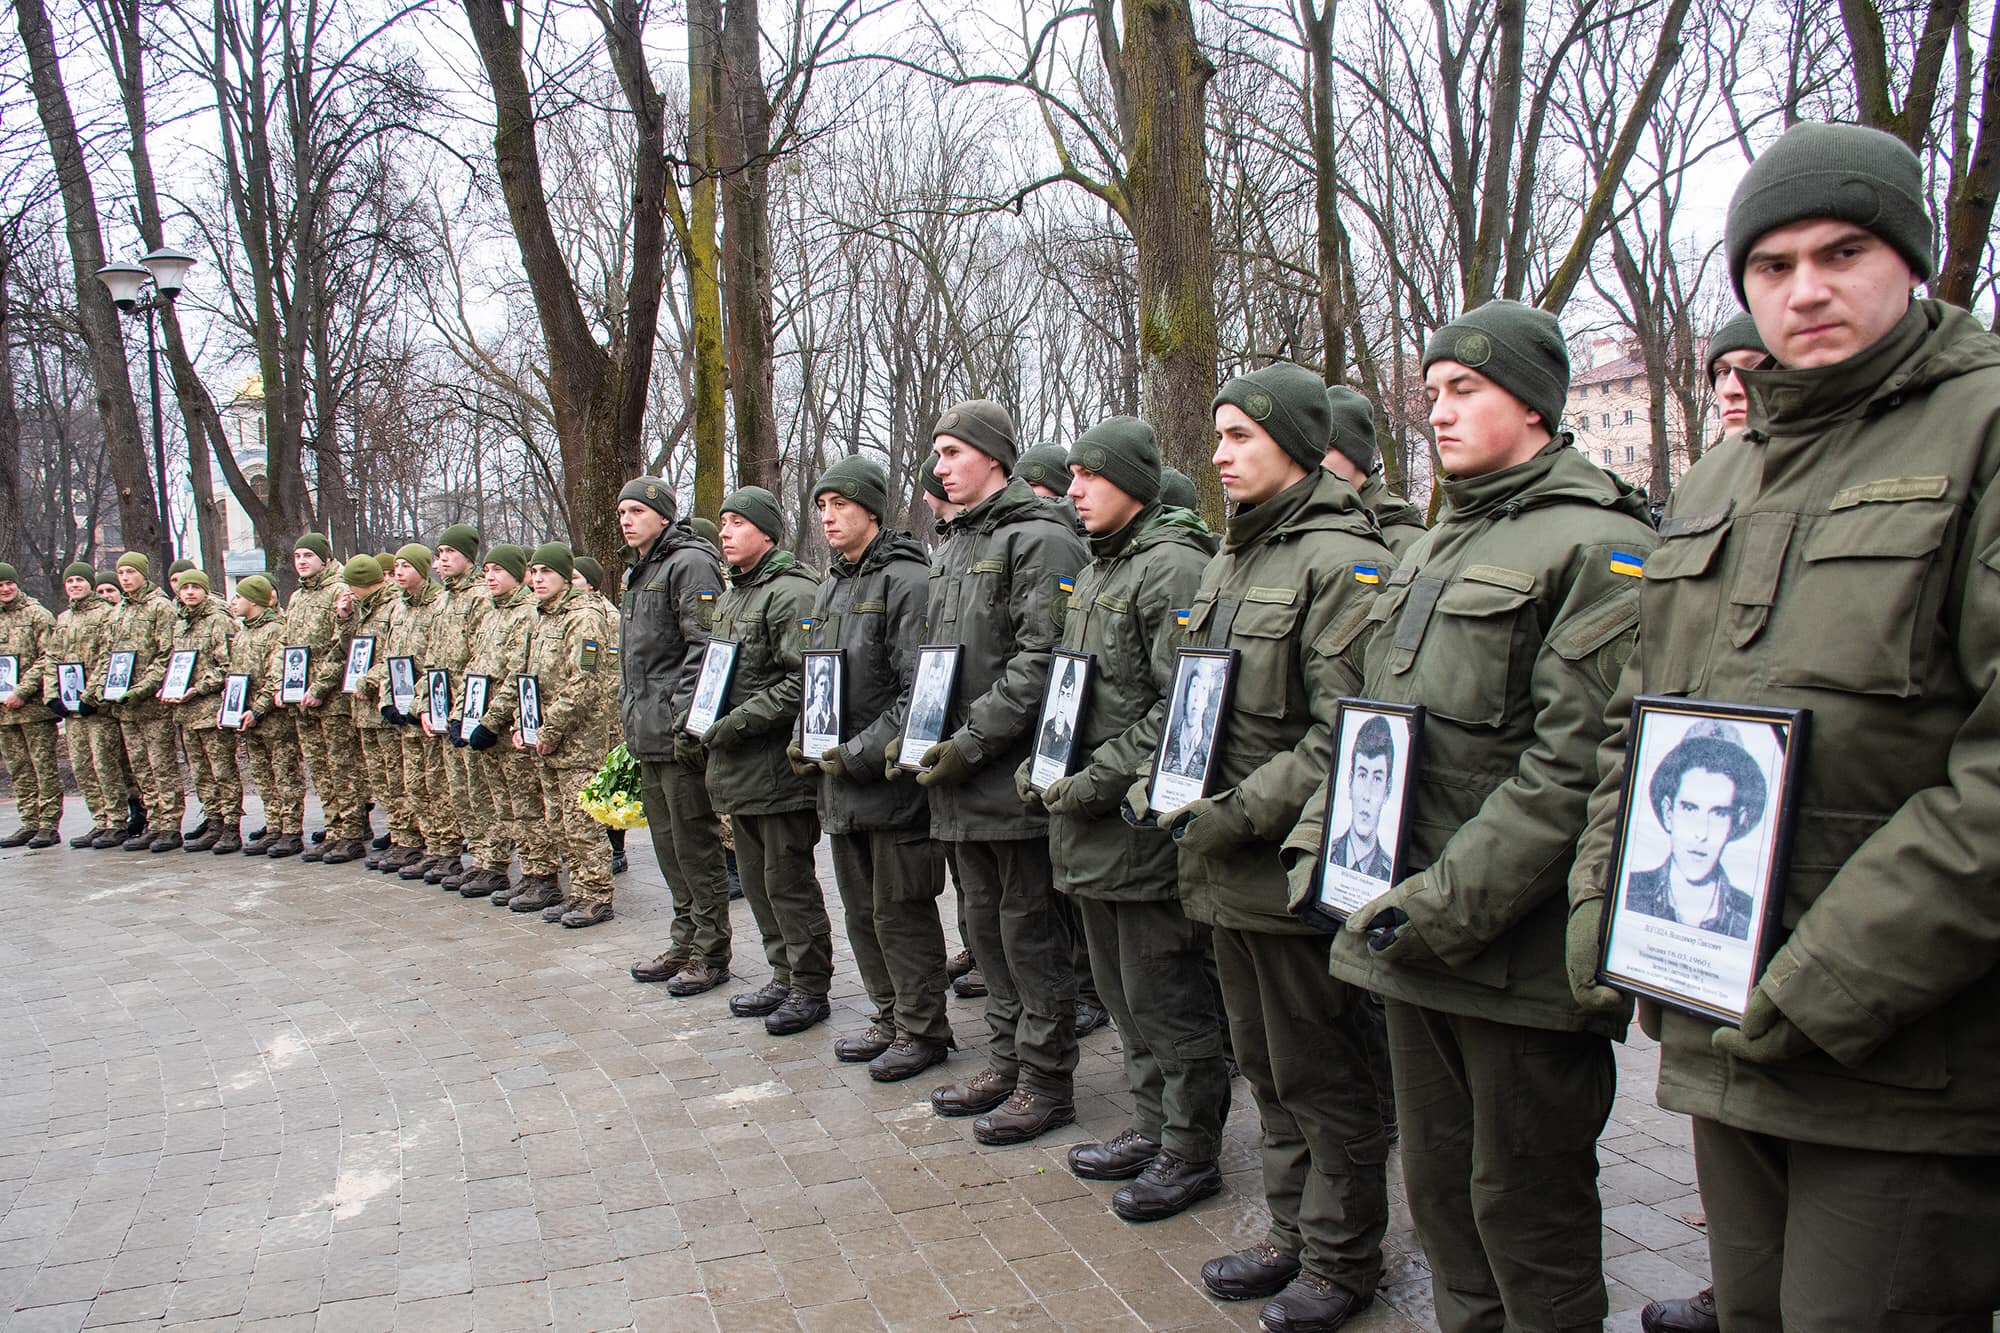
[(243, 1094)]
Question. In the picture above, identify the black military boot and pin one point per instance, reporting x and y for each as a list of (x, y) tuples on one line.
[(906, 1058), (757, 1003), (47, 837), (87, 838), (169, 841), (1167, 1186), (977, 1095), (227, 841), (874, 1040), (18, 838), (1692, 1314), (260, 844), (1121, 1158), (799, 1012), (1255, 1274), (287, 844), (135, 817), (204, 838), (1311, 1304)]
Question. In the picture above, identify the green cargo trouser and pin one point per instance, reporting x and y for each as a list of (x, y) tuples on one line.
[(273, 750), (1023, 950), (1297, 1034), (1500, 1127), (333, 758), (687, 842), (218, 783), (103, 793), (889, 882), (1848, 1240), (1152, 966), (1079, 953), (156, 769), (581, 838), (29, 749), (774, 861)]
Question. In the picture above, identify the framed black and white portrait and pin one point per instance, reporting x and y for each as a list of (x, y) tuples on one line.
[(437, 687), (711, 687), (1061, 722), (360, 657), (180, 675), (1367, 815), (403, 683), (476, 690), (529, 723), (292, 675), (70, 678), (820, 713), (1192, 734), (235, 709), (930, 703), (1697, 878), (118, 671), (10, 674)]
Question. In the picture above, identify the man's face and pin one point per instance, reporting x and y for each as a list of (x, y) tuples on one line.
[(408, 577), (111, 593), (547, 582), (1340, 465), (190, 594), (848, 525), (449, 563), (942, 511), (9, 589), (1481, 428), (639, 524), (242, 607), (1698, 821), (130, 579), (304, 563), (1732, 402), (76, 586), (1368, 785), (743, 542), (1197, 696), (1252, 466), (1823, 291), (969, 476), (1102, 506), (498, 581)]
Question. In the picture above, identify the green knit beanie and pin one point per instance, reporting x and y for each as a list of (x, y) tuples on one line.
[(983, 424), (462, 538), (417, 554), (103, 576), (593, 572), (760, 507), (1124, 452), (361, 571), (78, 570), (1177, 489), (178, 568), (257, 591), (1045, 465), (651, 492), (1518, 347), (196, 577), (8, 574), (1289, 402), (1846, 173), (860, 480), (135, 560), (512, 558), (315, 543), (1738, 335), (556, 556), (1353, 426), (933, 487), (386, 559), (705, 529)]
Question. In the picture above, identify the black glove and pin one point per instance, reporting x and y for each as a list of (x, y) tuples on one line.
[(455, 734), (392, 717), (85, 710), (56, 706), (481, 738)]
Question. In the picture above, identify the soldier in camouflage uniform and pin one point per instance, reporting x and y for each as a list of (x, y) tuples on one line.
[(80, 635), (426, 790), (326, 728), (111, 759), (512, 777), (270, 739), (205, 629), (576, 685), (410, 599), (144, 627), (590, 578), (362, 606), (27, 727), (462, 605)]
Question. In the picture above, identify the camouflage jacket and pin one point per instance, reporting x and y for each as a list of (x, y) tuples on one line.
[(577, 686), (500, 653), (144, 627), (370, 619), (25, 628), (409, 633), (254, 654), (462, 607), (82, 634), (206, 630), (310, 622)]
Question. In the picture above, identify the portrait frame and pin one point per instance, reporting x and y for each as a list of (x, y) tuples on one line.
[(180, 675), (403, 683), (711, 685), (529, 721), (1059, 724), (10, 673), (1184, 760), (72, 678), (1340, 887), (235, 707), (1688, 764), (823, 676), (360, 657), (118, 669), (294, 669), (933, 685), (437, 700), (477, 688)]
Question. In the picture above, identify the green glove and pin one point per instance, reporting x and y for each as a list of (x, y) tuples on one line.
[(1069, 796), (889, 754), (801, 765), (1385, 923), (1209, 826), (1024, 785), (834, 764), (726, 733), (1766, 1037), (1580, 955), (688, 752), (944, 766), (1137, 812)]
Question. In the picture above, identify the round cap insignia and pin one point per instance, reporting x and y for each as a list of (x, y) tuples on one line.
[(1472, 348), (1257, 405), (652, 492), (948, 419), (1093, 458)]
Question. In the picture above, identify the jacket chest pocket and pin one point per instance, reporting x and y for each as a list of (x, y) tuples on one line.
[(1461, 640), (1677, 602), (1265, 634)]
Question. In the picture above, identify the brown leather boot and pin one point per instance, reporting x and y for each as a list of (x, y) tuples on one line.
[(1026, 1114), (536, 892)]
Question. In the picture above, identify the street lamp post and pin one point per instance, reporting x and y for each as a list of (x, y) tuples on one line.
[(164, 271)]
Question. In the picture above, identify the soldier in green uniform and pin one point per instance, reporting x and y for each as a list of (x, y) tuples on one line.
[(1153, 965), (410, 603), (1000, 590), (206, 630), (144, 627), (500, 653), (270, 738), (27, 726), (108, 735), (673, 578), (1839, 555), (1352, 455), (1289, 592), (80, 634), (364, 607), (966, 982), (1177, 492), (461, 606), (1509, 622), (567, 659), (426, 783), (888, 870), (327, 747)]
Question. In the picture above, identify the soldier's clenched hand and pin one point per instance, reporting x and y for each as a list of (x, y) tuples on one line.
[(1580, 944), (1766, 1036), (726, 733), (1136, 809), (1391, 935), (1209, 826), (944, 766)]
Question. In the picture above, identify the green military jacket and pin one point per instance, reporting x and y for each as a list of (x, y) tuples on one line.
[(1843, 555), (1401, 522), (310, 621), (1510, 623), (671, 590), (872, 610), (25, 630), (1290, 592), (1125, 615), (255, 654), (999, 590), (575, 679), (81, 634), (370, 618), (764, 611), (144, 626), (207, 630), (500, 652)]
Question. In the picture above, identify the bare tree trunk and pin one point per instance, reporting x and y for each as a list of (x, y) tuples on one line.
[(10, 417), (695, 228), (744, 140)]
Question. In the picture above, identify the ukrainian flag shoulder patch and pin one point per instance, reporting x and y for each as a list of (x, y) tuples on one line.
[(706, 594), (1066, 583), (1181, 615), (806, 624), (1624, 562), (1367, 574)]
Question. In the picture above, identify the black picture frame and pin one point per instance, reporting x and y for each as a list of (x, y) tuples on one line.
[(477, 689), (437, 700), (10, 674), (403, 684), (118, 672), (1361, 771), (529, 720), (822, 700), (295, 663), (360, 657), (1059, 725), (933, 685), (180, 676), (72, 678), (1701, 777), (235, 707), (1181, 774), (711, 685)]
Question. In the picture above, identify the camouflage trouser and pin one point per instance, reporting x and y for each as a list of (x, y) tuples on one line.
[(436, 810), (327, 744), (458, 777), (519, 784), (156, 768), (103, 793), (211, 754), (382, 759), (584, 849), (413, 819), (272, 747), (489, 835), (114, 766), (30, 751)]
